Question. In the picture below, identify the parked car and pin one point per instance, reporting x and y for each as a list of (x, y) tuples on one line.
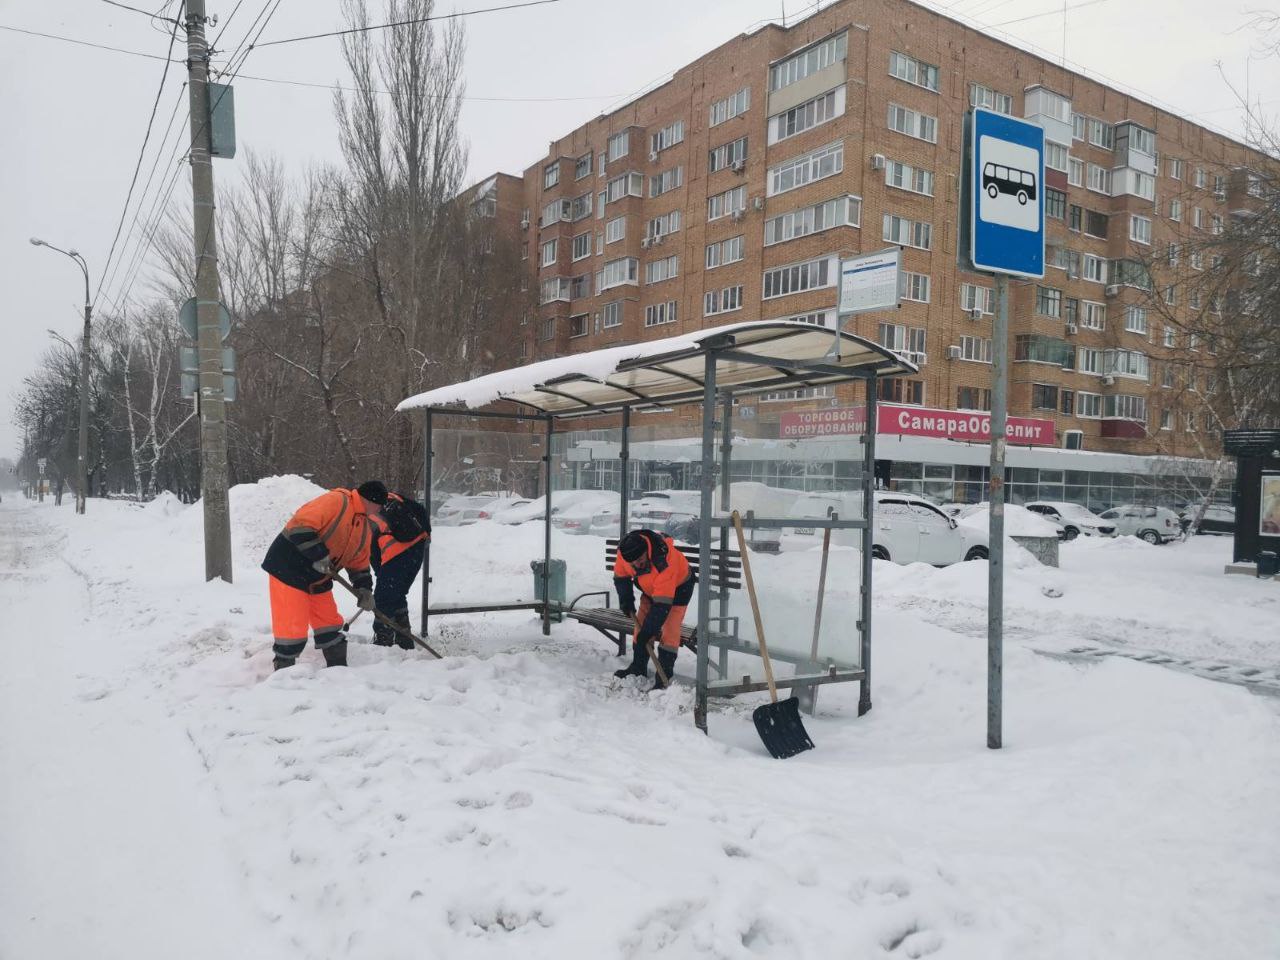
[(1018, 520), (575, 516), (907, 528), (1153, 524), (677, 512), (460, 510), (1074, 518), (524, 511), (1219, 518)]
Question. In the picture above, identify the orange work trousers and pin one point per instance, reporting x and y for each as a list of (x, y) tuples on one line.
[(294, 612), (670, 636)]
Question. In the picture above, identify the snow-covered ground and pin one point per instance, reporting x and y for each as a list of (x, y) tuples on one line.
[(165, 795)]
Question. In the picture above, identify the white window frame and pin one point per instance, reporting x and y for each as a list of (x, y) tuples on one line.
[(611, 315), (907, 232), (1140, 229), (975, 349), (915, 287), (813, 113), (549, 253), (727, 203), (575, 256), (661, 270), (724, 252), (816, 274), (843, 211), (660, 314), (615, 230), (912, 123), (808, 61), (550, 175), (619, 145), (915, 72), (903, 176), (734, 105), (667, 137), (825, 161)]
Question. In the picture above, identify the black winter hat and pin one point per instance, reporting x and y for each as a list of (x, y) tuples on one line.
[(633, 546), (375, 491)]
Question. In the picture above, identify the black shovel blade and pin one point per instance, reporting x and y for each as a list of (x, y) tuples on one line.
[(780, 728)]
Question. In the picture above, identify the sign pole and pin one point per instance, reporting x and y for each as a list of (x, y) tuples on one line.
[(995, 496)]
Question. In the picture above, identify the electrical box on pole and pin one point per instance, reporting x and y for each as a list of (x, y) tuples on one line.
[(222, 120)]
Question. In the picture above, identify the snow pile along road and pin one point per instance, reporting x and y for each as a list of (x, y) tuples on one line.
[(170, 796)]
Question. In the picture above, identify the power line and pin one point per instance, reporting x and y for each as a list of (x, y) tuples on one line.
[(328, 86), (84, 43), (1049, 13), (223, 29), (141, 153), (145, 13), (405, 23)]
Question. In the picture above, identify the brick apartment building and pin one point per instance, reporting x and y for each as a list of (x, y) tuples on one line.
[(732, 191)]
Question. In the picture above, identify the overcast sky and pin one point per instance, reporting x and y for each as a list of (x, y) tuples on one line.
[(73, 117)]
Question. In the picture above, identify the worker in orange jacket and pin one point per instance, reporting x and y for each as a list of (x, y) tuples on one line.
[(650, 561), (330, 533), (399, 544)]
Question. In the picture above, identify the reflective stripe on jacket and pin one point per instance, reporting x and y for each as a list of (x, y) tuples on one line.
[(333, 525), (663, 585)]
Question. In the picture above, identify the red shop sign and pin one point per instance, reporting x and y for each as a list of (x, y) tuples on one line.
[(960, 425)]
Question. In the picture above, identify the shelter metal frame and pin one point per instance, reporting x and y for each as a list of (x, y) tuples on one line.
[(718, 364)]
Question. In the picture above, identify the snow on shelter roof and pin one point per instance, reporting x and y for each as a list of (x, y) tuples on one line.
[(751, 357)]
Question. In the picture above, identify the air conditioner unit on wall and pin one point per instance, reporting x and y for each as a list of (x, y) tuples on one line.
[(877, 161), (524, 224), (644, 243), (953, 353), (1108, 381), (1072, 327), (1113, 289), (653, 155), (975, 313), (738, 166), (757, 203), (738, 215)]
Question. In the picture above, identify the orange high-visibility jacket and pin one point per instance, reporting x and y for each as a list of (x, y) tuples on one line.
[(388, 546), (660, 586), (335, 525)]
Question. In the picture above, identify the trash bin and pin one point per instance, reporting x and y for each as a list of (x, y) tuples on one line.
[(1268, 563), (556, 583)]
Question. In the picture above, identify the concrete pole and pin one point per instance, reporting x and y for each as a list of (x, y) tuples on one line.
[(82, 449), (213, 424)]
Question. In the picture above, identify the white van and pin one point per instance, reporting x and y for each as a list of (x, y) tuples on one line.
[(907, 528)]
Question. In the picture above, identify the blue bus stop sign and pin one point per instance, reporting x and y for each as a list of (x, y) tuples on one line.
[(1007, 195)]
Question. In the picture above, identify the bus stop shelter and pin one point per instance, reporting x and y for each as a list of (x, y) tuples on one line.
[(713, 368)]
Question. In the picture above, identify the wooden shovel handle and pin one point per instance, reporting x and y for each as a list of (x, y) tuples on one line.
[(387, 621), (755, 606), (822, 589), (657, 664)]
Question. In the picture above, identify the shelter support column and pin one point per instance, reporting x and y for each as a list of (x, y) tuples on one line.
[(546, 533), (707, 487), (868, 512), (427, 454)]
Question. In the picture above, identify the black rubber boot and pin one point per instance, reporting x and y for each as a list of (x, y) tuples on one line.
[(335, 655), (639, 663), (668, 660), (280, 662), (402, 621), (383, 636)]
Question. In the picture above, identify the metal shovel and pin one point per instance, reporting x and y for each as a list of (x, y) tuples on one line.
[(777, 722), (387, 621)]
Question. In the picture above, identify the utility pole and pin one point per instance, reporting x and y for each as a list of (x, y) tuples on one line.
[(209, 395)]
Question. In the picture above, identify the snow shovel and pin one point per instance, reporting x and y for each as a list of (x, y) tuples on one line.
[(777, 722), (384, 619)]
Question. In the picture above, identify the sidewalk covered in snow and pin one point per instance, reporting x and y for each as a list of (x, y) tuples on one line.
[(714, 368)]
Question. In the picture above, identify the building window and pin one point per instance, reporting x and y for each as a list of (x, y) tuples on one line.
[(1135, 319), (580, 287), (1048, 302), (1093, 315), (1088, 405), (977, 349), (1215, 225), (657, 314), (1170, 295), (556, 288), (1055, 156), (611, 315), (1140, 229), (550, 175), (722, 301), (974, 297), (1175, 169), (1197, 218), (1096, 224), (808, 62), (657, 271), (555, 211), (817, 164), (1166, 419), (724, 251), (627, 185), (729, 154), (731, 106), (619, 145), (581, 246), (1197, 260), (906, 177), (819, 318), (1044, 396), (666, 181), (1173, 253), (1101, 134), (840, 212), (1124, 407), (661, 226), (1055, 203), (1175, 211), (549, 252), (1068, 402), (1071, 310), (898, 390), (798, 277), (547, 330), (1191, 423), (579, 325), (1093, 268), (1200, 178), (907, 233), (580, 207), (1063, 258), (615, 230), (913, 124), (1078, 122), (668, 136), (913, 286), (625, 270), (727, 204), (582, 166), (1126, 363), (913, 71), (973, 398), (1099, 179), (1089, 361), (908, 342), (1075, 172), (1075, 218), (812, 113), (980, 96)]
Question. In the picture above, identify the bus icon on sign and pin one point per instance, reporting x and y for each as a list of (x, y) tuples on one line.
[(997, 179)]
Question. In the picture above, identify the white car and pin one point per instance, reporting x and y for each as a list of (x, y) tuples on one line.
[(1153, 524), (906, 528), (1018, 521), (676, 512), (580, 507), (1074, 518), (460, 511)]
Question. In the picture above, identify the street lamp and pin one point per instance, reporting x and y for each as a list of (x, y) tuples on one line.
[(82, 453)]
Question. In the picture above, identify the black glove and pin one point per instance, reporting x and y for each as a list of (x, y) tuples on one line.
[(626, 595), (651, 629), (364, 598)]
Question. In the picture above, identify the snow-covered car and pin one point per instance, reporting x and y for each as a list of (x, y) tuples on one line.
[(1074, 518), (510, 508), (575, 516), (677, 512), (460, 510), (1153, 524), (1018, 521), (1219, 518), (906, 528), (659, 508), (604, 522)]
